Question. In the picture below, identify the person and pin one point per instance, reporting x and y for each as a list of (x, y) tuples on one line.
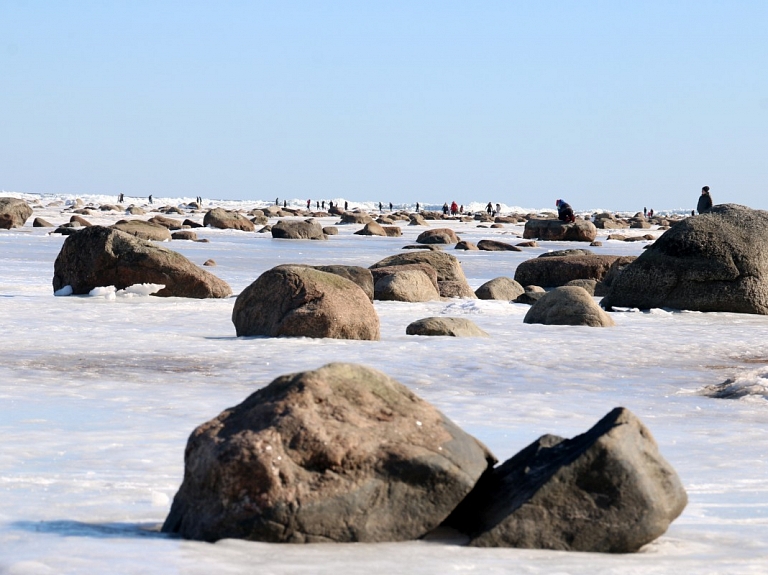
[(346, 205), (650, 213), (381, 209), (445, 209), (277, 201), (489, 208), (705, 201), (645, 212), (417, 207), (461, 209), (330, 204), (454, 208), (564, 211), (498, 209), (323, 202), (309, 203), (693, 212), (390, 206), (150, 198), (285, 203), (317, 204)]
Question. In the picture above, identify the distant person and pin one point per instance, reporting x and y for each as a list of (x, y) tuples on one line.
[(317, 204), (498, 209), (346, 205), (454, 208), (390, 206), (309, 203), (564, 212), (650, 213), (323, 204), (705, 201), (417, 207), (381, 208), (446, 209), (461, 209), (277, 201), (285, 203), (330, 204), (645, 212), (489, 208), (693, 212), (150, 198)]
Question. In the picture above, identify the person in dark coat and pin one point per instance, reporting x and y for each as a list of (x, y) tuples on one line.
[(564, 211), (705, 201)]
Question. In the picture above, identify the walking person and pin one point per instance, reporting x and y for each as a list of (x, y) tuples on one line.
[(705, 201), (489, 208)]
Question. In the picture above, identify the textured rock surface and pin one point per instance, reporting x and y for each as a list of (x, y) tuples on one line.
[(13, 213), (496, 246), (607, 490), (447, 267), (500, 288), (99, 256), (142, 229), (568, 305), (715, 261), (298, 301), (298, 230), (559, 270), (438, 236), (227, 220), (451, 326), (555, 230), (406, 285), (342, 453)]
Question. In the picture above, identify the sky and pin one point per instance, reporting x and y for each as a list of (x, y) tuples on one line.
[(616, 105)]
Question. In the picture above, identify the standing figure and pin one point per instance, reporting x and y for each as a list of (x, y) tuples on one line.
[(445, 209), (454, 208), (150, 198), (417, 207), (323, 203), (705, 201), (645, 212), (489, 208), (390, 206), (309, 203), (346, 205), (498, 209), (564, 212), (285, 203)]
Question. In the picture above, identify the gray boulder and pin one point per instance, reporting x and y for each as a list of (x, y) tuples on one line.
[(531, 295), (406, 285), (98, 256), (298, 230), (711, 262), (555, 230), (450, 326), (447, 267), (379, 273), (228, 220), (13, 213), (496, 246), (466, 245), (298, 301), (502, 288), (331, 231), (608, 490), (568, 305), (343, 453)]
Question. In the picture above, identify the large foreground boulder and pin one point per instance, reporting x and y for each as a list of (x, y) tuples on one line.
[(98, 256), (549, 271), (298, 230), (228, 220), (298, 301), (715, 261), (13, 213), (340, 454), (450, 277), (555, 230), (607, 490), (568, 305)]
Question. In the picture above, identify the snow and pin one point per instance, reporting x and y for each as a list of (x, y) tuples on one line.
[(99, 393)]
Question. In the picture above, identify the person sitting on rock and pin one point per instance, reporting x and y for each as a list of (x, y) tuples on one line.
[(705, 201), (564, 212)]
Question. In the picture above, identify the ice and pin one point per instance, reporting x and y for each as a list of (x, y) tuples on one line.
[(97, 400)]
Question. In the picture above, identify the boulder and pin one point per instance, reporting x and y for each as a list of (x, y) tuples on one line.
[(568, 305), (428, 247), (450, 326), (371, 229), (608, 490), (331, 231), (567, 253), (227, 220), (555, 230), (430, 272), (405, 285), (438, 236), (528, 244), (135, 211), (98, 256), (603, 287), (417, 220), (587, 285), (191, 224), (143, 229), (496, 246), (170, 223), (340, 454), (355, 218), (467, 246), (559, 270), (80, 221), (711, 262), (393, 231), (110, 208), (447, 266), (209, 263), (358, 275), (265, 230), (457, 289), (531, 295), (298, 230), (41, 223), (500, 288), (298, 301), (184, 235)]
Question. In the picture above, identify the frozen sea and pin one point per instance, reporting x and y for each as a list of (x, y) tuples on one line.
[(99, 394)]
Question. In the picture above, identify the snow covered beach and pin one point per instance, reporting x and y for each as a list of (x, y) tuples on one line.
[(99, 396)]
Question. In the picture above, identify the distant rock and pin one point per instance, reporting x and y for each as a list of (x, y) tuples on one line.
[(555, 230), (528, 244), (331, 231), (191, 223), (393, 231), (450, 276), (428, 247), (438, 236), (340, 454), (501, 288), (209, 263), (298, 230), (531, 295), (559, 270), (450, 326), (184, 235), (166, 222), (608, 490), (567, 253), (135, 211), (496, 246), (143, 229), (371, 229), (75, 218), (431, 273), (265, 230), (405, 285), (298, 301), (587, 285), (568, 305), (467, 246), (355, 218), (711, 262), (41, 223), (228, 220), (99, 256), (417, 220)]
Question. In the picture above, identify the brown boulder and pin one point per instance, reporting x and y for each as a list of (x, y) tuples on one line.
[(559, 270), (450, 276), (496, 246), (438, 236), (405, 285), (298, 301), (228, 220), (555, 230), (170, 223), (98, 256), (371, 229), (466, 245), (500, 288), (450, 326), (143, 229), (568, 305), (298, 230)]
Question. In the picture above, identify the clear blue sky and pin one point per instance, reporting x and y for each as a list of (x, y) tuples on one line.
[(606, 104)]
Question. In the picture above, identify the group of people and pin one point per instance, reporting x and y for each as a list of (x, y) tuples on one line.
[(454, 209)]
